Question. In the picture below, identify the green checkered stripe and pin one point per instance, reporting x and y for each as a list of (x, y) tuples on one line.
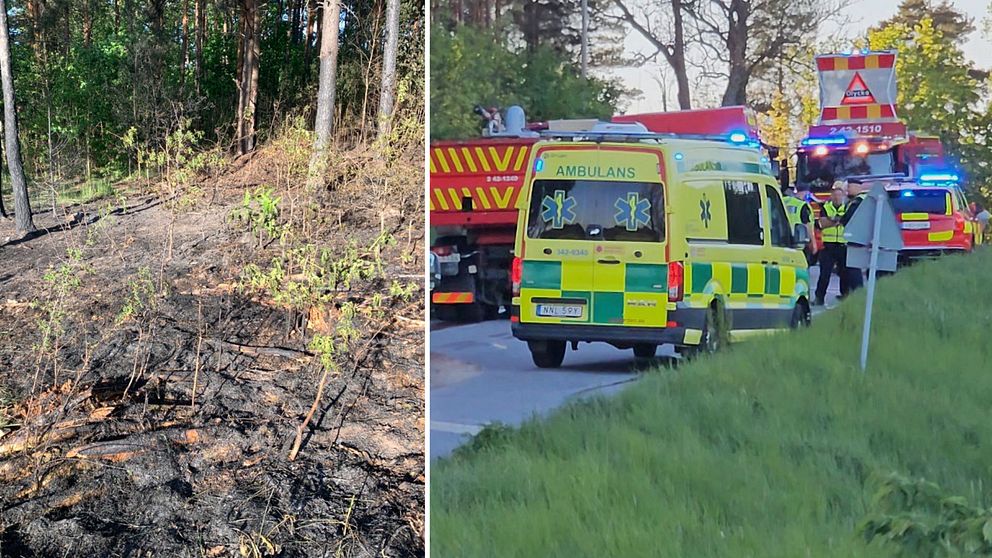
[(754, 282), (607, 305)]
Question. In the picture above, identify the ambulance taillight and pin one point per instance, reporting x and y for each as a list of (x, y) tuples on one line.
[(516, 274), (676, 275)]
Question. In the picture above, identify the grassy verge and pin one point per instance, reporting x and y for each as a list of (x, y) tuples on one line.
[(777, 447), (92, 190)]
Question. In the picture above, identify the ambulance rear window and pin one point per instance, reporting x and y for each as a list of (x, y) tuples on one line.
[(919, 201), (597, 210)]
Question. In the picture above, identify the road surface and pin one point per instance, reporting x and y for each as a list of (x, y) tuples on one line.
[(481, 374)]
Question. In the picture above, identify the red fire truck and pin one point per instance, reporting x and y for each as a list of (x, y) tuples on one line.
[(474, 185), (859, 134)]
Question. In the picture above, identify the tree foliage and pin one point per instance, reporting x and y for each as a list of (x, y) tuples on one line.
[(938, 94), (470, 67), (100, 81)]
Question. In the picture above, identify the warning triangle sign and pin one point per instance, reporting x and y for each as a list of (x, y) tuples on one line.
[(857, 92)]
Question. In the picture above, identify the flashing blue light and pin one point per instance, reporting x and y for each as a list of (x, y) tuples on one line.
[(939, 177), (538, 165), (679, 156), (828, 140), (738, 137), (907, 194)]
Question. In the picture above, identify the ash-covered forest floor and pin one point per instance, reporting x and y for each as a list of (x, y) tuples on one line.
[(160, 349)]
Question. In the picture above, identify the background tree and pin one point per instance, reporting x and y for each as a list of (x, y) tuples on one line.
[(939, 94), (324, 122), (951, 23), (751, 37), (22, 206), (388, 88), (673, 51)]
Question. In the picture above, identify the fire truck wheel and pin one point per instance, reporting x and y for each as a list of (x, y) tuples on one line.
[(471, 313), (446, 312), (645, 350), (547, 354)]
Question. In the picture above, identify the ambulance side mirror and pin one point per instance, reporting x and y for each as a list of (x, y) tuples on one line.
[(800, 236)]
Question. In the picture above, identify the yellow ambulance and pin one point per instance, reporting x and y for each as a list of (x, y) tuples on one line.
[(639, 239)]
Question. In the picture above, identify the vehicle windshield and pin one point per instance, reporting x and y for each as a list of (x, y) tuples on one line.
[(597, 210), (919, 201), (820, 172)]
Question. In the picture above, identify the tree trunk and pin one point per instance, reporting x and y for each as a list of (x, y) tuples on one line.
[(387, 93), (737, 16), (678, 57), (87, 24), (22, 207), (308, 34), (184, 48), (248, 75), (200, 19), (324, 121)]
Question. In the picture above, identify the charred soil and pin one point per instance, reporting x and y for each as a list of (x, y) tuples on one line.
[(159, 352)]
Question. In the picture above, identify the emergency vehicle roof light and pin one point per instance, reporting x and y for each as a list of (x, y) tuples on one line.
[(939, 177), (738, 137), (828, 140), (907, 194)]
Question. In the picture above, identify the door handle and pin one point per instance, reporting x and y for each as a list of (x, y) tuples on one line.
[(608, 262)]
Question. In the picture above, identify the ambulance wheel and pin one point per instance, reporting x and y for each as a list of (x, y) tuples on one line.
[(645, 350), (714, 334), (547, 354), (800, 315)]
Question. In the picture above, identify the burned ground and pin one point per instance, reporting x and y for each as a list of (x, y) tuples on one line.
[(150, 396)]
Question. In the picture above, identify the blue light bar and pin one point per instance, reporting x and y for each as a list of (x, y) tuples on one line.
[(538, 165), (907, 193), (939, 177), (738, 137), (829, 140)]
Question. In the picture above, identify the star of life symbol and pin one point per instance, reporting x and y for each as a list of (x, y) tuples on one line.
[(704, 213), (558, 209), (632, 211)]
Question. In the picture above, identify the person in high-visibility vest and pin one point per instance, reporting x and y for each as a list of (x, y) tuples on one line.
[(856, 194), (833, 256), (800, 213)]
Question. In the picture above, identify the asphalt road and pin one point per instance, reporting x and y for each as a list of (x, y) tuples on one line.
[(481, 374)]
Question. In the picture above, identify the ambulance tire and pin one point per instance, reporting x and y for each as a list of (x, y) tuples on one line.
[(547, 354), (645, 350), (800, 315), (713, 338)]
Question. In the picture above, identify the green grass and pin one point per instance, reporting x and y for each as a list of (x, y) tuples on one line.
[(95, 189), (773, 448)]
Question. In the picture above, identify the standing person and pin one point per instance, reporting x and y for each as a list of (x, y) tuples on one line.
[(834, 252), (800, 212), (856, 194), (982, 216)]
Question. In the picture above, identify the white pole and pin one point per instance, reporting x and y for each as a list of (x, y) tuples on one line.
[(872, 265), (585, 38)]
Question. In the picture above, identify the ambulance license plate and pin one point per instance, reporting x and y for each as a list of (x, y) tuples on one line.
[(559, 310), (915, 225)]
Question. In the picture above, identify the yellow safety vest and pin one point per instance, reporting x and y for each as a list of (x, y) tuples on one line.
[(834, 234), (794, 209)]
